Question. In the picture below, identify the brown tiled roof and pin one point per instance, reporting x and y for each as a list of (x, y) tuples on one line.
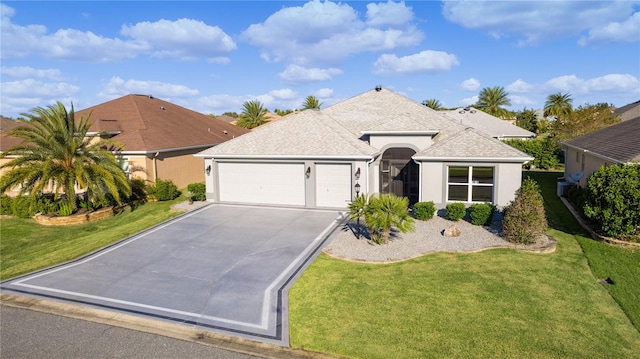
[(6, 142), (145, 123), (620, 142), (628, 112)]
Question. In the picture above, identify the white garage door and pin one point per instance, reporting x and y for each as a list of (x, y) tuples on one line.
[(333, 185), (263, 183)]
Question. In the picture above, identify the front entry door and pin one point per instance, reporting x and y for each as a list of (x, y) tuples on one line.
[(399, 175)]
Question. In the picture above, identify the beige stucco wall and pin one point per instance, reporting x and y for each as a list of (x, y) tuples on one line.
[(385, 141), (574, 163), (180, 166), (433, 181)]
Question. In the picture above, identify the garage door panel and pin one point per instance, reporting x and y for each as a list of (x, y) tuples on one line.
[(263, 183), (333, 185)]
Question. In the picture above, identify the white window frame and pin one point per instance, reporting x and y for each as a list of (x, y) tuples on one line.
[(470, 184)]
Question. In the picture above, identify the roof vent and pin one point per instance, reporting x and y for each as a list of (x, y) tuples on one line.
[(150, 96), (378, 88), (225, 132), (162, 108), (467, 108)]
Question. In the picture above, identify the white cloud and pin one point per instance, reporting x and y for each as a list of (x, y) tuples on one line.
[(425, 61), (613, 82), (117, 87), (184, 38), (521, 100), (324, 93), (536, 21), (389, 13), (285, 94), (471, 84), (325, 33), (296, 74), (31, 87), (468, 101), (611, 85), (565, 83), (26, 71), (519, 86), (625, 31)]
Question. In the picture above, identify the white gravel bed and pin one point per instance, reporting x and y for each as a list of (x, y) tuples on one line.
[(427, 238)]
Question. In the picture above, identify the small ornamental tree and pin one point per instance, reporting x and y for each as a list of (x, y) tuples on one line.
[(613, 199), (524, 218), (385, 212)]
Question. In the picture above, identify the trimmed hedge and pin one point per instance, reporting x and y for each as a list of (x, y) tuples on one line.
[(198, 191), (456, 211), (481, 214), (163, 190), (424, 210)]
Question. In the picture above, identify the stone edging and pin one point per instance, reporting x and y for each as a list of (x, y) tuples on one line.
[(49, 220), (593, 234)]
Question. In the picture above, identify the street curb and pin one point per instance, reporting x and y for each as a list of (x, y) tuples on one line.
[(176, 331)]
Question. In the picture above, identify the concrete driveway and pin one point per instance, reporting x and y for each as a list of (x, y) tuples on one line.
[(223, 268)]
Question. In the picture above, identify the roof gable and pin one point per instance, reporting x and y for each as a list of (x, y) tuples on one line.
[(6, 125), (619, 142), (486, 123), (307, 133), (472, 144), (145, 123)]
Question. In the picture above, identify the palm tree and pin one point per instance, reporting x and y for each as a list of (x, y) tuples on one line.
[(311, 102), (432, 103), (56, 151), (491, 100), (253, 115), (387, 211), (558, 105)]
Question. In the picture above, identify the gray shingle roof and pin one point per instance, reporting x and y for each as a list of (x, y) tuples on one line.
[(472, 144), (620, 142), (488, 124), (306, 134)]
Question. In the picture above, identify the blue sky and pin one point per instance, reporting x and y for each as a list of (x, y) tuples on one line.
[(212, 56)]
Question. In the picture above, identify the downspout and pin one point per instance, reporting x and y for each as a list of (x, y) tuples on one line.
[(367, 174), (419, 180), (155, 167)]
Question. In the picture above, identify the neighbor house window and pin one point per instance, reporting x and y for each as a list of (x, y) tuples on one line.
[(470, 184)]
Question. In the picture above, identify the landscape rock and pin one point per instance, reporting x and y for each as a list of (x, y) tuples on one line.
[(452, 231)]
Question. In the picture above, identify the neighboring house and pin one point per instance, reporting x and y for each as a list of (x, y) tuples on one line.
[(629, 111), (376, 142), (6, 142), (159, 137), (619, 143), (488, 124)]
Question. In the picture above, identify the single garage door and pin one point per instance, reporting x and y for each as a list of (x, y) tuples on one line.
[(333, 185), (263, 183)]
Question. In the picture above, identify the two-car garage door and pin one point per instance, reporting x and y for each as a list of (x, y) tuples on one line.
[(284, 183)]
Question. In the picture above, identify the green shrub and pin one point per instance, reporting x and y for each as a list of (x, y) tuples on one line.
[(198, 191), (424, 210), (5, 205), (163, 190), (613, 199), (47, 203), (524, 218), (545, 151), (481, 213), (66, 209), (138, 191), (455, 211), (577, 197), (23, 207)]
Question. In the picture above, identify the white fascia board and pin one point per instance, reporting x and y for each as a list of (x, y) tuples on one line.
[(594, 154), (402, 133), (162, 150), (474, 159), (103, 132), (286, 157)]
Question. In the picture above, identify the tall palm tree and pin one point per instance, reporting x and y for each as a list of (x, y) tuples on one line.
[(492, 99), (56, 151), (558, 105), (253, 114), (311, 102), (432, 103)]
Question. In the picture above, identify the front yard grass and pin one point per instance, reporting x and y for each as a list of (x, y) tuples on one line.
[(26, 246), (499, 303)]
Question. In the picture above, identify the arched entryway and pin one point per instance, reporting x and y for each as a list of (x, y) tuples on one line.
[(399, 173)]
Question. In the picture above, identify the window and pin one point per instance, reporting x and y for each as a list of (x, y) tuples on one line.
[(470, 184)]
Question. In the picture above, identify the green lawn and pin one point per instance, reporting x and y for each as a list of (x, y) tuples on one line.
[(26, 246), (499, 303)]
